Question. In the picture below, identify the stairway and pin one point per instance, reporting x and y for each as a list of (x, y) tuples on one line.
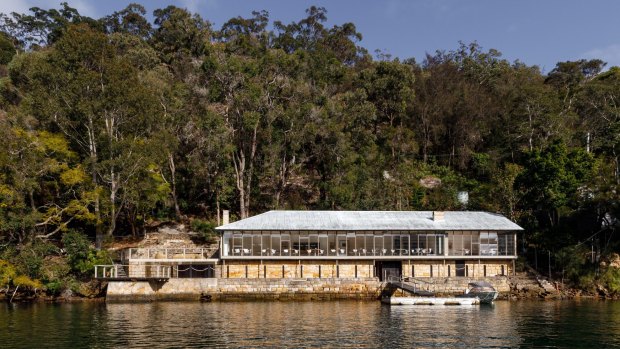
[(121, 272)]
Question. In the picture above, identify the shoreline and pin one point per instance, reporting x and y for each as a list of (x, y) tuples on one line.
[(311, 290)]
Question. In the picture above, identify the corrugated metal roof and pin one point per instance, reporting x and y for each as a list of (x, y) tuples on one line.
[(372, 220)]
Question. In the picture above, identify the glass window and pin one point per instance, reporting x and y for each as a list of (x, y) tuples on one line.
[(247, 244), (369, 244), (396, 245), (226, 243), (475, 243), (379, 249), (510, 244), (360, 244), (414, 244), (404, 240), (266, 246), (275, 244), (304, 244), (285, 244), (332, 249), (342, 244), (388, 244), (323, 246), (237, 245), (295, 243), (256, 244), (351, 249)]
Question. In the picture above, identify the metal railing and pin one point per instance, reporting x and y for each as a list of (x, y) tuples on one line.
[(165, 253), (118, 271)]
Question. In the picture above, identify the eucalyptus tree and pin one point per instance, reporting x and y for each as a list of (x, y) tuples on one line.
[(43, 27), (95, 97), (131, 20)]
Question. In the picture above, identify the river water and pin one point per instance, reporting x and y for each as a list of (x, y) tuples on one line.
[(563, 324)]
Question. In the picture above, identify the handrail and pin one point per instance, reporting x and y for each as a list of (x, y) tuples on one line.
[(420, 281), (167, 253), (111, 271)]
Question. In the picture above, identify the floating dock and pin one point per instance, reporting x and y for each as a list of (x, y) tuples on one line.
[(430, 301)]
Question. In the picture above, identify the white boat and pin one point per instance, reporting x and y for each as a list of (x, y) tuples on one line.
[(430, 301), (482, 290)]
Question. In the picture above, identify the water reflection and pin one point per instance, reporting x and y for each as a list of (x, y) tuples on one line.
[(311, 325)]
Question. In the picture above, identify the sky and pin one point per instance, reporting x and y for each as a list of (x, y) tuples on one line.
[(534, 32)]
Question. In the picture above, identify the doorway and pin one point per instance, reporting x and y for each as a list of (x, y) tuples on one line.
[(460, 268), (385, 269)]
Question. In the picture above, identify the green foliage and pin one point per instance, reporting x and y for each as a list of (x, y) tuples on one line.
[(611, 279), (7, 273), (30, 258), (206, 230), (81, 257), (10, 277)]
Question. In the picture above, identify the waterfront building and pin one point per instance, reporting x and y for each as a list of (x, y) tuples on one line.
[(338, 244), (367, 244)]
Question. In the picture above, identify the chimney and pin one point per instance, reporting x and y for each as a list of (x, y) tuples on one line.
[(438, 216), (225, 217)]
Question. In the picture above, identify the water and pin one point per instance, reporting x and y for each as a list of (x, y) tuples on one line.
[(566, 324)]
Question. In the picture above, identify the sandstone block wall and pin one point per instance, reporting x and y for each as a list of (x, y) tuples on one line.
[(486, 268), (295, 269), (247, 289)]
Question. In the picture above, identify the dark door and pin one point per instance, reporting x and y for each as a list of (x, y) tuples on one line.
[(385, 269), (460, 268)]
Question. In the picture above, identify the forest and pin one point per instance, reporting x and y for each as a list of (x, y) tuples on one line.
[(111, 124)]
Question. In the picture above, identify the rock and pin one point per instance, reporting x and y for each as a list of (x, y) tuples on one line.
[(614, 261), (66, 294)]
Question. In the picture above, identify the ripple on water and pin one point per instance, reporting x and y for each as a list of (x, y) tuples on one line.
[(311, 325)]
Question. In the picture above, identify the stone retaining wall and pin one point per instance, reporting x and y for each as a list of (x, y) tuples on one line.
[(246, 289), (282, 288)]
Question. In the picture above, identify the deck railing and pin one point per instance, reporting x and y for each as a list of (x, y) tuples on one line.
[(118, 271), (166, 253)]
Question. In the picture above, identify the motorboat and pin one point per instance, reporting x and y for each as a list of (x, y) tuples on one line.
[(483, 290)]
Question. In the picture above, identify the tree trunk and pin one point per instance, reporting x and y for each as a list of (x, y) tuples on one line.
[(172, 166), (113, 189), (92, 146), (239, 164)]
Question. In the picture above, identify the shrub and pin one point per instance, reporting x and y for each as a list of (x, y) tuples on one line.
[(611, 279), (26, 282), (206, 230), (30, 258), (7, 273), (81, 257)]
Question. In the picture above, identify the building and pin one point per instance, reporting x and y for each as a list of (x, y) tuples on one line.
[(367, 244)]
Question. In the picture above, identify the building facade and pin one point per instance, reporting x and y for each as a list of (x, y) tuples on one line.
[(367, 244)]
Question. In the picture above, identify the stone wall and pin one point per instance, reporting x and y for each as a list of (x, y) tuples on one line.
[(296, 269), (474, 269), (246, 289), (307, 280)]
